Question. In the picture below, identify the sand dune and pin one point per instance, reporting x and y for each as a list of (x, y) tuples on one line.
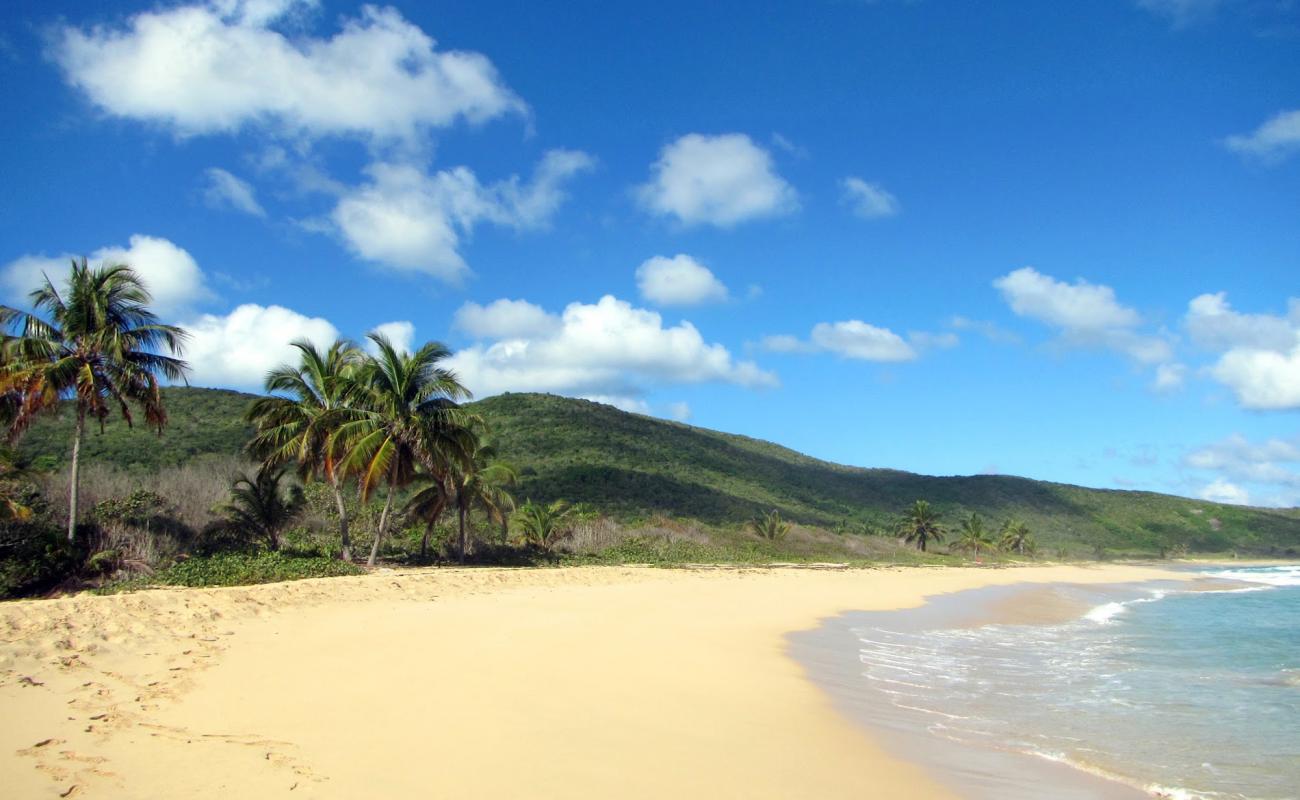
[(585, 682)]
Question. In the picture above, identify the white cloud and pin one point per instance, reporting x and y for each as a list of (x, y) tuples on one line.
[(1085, 314), (219, 68), (1222, 491), (408, 220), (1260, 353), (239, 348), (716, 180), (859, 340), (400, 334), (1275, 139), (1169, 377), (1215, 326), (868, 200), (608, 348), (1181, 12), (680, 411), (1267, 471), (678, 281), (1261, 379), (506, 319), (169, 272), (224, 190), (989, 330)]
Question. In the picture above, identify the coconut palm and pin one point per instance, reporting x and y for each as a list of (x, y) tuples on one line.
[(428, 504), (973, 536), (770, 526), (920, 526), (97, 346), (297, 428), (480, 481), (402, 414), (259, 508), (544, 525), (1016, 536)]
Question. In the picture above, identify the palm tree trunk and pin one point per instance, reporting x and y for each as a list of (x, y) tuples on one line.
[(383, 526), (346, 555), (76, 463), (464, 540)]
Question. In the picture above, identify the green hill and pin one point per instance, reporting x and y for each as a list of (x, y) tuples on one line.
[(633, 466)]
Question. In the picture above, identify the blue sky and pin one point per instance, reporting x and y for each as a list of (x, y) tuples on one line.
[(1053, 240)]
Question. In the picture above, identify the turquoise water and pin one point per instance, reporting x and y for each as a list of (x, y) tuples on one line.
[(1183, 694)]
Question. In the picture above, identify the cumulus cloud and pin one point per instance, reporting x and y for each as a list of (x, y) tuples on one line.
[(169, 272), (861, 341), (400, 334), (868, 200), (679, 411), (506, 319), (411, 221), (220, 67), (607, 348), (1275, 139), (678, 281), (1259, 353), (1084, 314), (1169, 377), (223, 190), (239, 348), (1221, 491), (716, 180), (1265, 472)]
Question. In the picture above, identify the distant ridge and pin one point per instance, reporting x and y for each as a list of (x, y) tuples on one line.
[(633, 466)]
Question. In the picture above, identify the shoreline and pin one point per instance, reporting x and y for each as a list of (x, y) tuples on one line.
[(578, 682)]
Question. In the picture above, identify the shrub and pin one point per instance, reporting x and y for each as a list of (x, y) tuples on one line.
[(236, 569)]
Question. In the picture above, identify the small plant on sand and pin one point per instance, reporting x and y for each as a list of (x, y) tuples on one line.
[(543, 526), (770, 526)]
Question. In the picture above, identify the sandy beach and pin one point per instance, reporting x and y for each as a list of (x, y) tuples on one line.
[(584, 682)]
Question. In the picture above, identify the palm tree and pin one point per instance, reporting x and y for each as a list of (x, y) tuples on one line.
[(481, 482), (544, 525), (12, 474), (973, 535), (770, 526), (258, 507), (297, 428), (402, 414), (920, 526), (428, 505), (1016, 536), (98, 347)]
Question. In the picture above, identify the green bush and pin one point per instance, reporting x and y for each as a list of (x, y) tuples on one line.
[(34, 557), (236, 569)]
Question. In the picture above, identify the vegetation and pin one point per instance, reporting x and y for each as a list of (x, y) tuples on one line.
[(770, 526), (97, 348), (542, 526), (258, 508), (349, 424), (973, 537), (920, 526)]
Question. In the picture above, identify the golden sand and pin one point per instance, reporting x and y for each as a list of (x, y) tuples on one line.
[(583, 682)]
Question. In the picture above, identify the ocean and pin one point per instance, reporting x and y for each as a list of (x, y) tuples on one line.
[(1181, 694)]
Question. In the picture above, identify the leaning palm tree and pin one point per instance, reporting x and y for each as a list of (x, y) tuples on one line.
[(1016, 536), (770, 526), (259, 508), (295, 426), (973, 536), (544, 525), (96, 345), (920, 526), (402, 414), (481, 482)]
